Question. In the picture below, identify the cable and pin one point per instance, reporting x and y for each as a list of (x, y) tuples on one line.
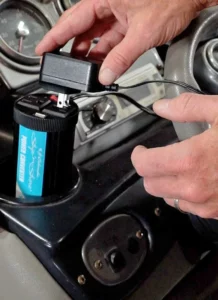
[(114, 88), (164, 81), (121, 95)]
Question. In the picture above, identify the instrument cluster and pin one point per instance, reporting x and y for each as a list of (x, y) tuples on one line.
[(23, 23)]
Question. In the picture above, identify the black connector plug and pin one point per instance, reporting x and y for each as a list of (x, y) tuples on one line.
[(64, 74), (112, 88)]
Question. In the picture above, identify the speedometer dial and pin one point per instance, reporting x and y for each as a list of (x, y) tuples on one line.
[(22, 26)]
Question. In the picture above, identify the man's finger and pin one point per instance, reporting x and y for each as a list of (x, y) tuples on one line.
[(80, 47), (107, 42), (80, 41), (176, 187), (184, 206), (80, 20), (198, 209), (189, 108), (163, 161), (120, 58)]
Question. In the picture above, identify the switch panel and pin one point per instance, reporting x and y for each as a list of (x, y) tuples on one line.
[(115, 250), (121, 110)]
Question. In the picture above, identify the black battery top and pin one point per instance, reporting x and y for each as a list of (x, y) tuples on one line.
[(40, 112)]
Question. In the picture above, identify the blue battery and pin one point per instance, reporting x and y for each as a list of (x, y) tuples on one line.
[(43, 146)]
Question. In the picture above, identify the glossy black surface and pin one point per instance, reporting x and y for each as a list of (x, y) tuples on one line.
[(109, 185)]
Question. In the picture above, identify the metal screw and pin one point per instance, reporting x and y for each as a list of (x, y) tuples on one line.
[(139, 234), (81, 279), (98, 265), (157, 212)]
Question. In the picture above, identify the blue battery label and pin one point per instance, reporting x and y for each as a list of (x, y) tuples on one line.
[(31, 161)]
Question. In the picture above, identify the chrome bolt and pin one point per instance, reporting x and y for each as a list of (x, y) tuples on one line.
[(139, 234), (98, 265), (81, 279), (157, 212)]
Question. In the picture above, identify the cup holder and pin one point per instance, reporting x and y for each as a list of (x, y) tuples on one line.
[(8, 184)]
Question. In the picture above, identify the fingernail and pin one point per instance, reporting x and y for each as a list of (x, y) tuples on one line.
[(161, 105), (140, 147), (107, 76)]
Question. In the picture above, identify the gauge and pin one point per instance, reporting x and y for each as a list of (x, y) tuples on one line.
[(22, 26)]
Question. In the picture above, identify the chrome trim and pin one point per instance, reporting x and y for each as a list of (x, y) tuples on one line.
[(63, 5)]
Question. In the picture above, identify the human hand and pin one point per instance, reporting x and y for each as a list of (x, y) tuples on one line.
[(126, 29), (187, 170)]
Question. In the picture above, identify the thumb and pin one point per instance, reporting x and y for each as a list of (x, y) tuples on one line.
[(119, 59), (188, 108)]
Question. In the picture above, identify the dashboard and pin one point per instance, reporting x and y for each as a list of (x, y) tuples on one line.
[(23, 23), (48, 239)]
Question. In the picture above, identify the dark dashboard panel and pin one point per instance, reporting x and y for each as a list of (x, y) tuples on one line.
[(56, 233)]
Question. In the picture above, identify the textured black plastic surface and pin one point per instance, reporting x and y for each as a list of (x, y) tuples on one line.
[(63, 74), (56, 119), (56, 232)]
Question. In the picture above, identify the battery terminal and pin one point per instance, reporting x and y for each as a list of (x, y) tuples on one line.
[(63, 100)]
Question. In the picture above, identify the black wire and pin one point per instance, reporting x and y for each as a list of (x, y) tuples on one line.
[(131, 100), (165, 81), (135, 103), (121, 95)]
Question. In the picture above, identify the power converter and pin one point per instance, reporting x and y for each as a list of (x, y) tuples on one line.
[(64, 74)]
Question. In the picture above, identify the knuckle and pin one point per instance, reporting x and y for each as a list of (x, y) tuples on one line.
[(194, 193), (188, 164), (191, 161), (64, 15), (187, 102), (148, 186), (108, 42), (206, 213), (137, 165), (138, 161), (55, 39), (139, 169), (120, 60)]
